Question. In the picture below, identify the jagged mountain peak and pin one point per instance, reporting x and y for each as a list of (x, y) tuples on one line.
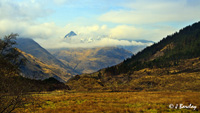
[(70, 34)]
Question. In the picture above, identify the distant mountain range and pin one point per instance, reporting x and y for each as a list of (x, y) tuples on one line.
[(171, 64), (88, 60)]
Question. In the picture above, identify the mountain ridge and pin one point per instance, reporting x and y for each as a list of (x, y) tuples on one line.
[(40, 63), (31, 47)]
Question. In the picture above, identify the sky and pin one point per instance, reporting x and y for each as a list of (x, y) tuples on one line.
[(116, 22)]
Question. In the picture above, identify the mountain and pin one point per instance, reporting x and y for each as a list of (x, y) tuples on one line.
[(171, 64), (70, 34), (38, 70), (88, 60), (40, 63), (31, 47), (12, 84)]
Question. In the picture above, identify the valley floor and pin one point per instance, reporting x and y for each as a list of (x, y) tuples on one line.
[(121, 102)]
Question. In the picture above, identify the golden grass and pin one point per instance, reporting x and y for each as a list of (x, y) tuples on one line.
[(112, 102)]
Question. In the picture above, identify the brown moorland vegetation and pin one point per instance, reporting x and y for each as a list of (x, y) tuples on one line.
[(113, 102)]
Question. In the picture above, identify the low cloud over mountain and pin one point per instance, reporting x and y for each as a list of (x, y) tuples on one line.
[(90, 41)]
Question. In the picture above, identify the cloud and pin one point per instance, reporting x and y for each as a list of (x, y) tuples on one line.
[(125, 20), (99, 35), (149, 12), (21, 17), (90, 30), (21, 11), (126, 32), (135, 33), (30, 30), (103, 42), (117, 42)]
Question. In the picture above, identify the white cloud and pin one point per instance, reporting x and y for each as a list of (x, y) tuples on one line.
[(126, 32), (30, 30), (53, 34), (135, 33), (21, 11), (21, 17), (149, 12), (103, 42), (90, 30), (132, 20), (116, 42)]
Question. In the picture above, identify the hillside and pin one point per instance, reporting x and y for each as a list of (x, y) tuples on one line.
[(36, 69), (31, 47), (88, 60), (171, 64)]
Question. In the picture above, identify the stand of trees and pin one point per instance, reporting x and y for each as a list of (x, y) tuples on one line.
[(182, 45), (11, 90)]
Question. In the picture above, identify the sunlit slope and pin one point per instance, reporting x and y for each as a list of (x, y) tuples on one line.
[(36, 69), (31, 47), (87, 60)]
